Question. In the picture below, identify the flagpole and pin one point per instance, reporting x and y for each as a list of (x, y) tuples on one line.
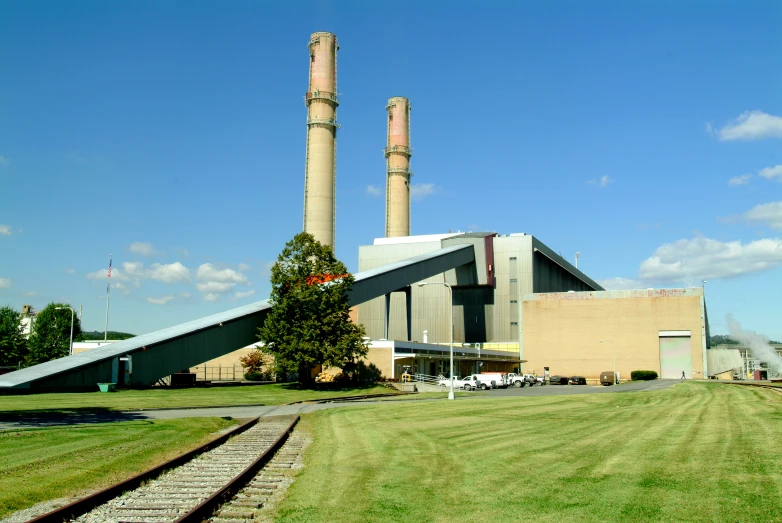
[(108, 300)]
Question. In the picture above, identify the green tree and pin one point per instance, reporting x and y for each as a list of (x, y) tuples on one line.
[(52, 333), (13, 344), (309, 322)]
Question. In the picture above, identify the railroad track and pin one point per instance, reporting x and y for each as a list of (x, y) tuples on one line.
[(193, 490), (352, 398), (760, 385)]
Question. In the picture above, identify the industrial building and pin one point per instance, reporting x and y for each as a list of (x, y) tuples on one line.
[(513, 302), (586, 333), (486, 296)]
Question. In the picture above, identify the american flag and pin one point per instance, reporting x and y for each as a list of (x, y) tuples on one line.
[(109, 285)]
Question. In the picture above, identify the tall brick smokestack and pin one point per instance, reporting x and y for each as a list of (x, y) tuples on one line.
[(398, 167), (320, 174)]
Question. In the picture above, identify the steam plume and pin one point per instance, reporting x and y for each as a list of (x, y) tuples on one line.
[(757, 343)]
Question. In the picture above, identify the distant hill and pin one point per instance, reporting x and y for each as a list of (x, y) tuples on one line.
[(723, 339), (112, 335)]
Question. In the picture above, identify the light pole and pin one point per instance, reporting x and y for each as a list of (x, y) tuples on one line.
[(450, 293), (613, 345), (70, 347)]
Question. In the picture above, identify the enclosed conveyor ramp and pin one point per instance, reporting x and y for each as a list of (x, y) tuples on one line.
[(152, 356)]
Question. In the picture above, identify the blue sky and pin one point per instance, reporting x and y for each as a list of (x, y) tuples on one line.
[(645, 135)]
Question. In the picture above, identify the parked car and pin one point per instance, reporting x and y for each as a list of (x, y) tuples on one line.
[(541, 380), (530, 379), (492, 380), (558, 380), (607, 378), (577, 380)]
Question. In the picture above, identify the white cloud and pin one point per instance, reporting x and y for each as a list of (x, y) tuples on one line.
[(30, 293), (602, 182), (162, 272), (161, 301), (751, 125), (5, 230), (5, 283), (118, 285), (168, 273), (135, 272), (419, 191), (69, 271), (185, 294), (143, 249), (700, 258), (772, 173), (244, 267), (621, 284), (373, 190), (134, 269), (215, 287), (3, 162), (246, 294), (214, 281), (739, 180), (208, 272), (766, 213)]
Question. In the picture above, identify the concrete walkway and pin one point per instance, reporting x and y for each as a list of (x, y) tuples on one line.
[(32, 420)]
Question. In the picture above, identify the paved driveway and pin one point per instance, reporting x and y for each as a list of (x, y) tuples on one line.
[(555, 390)]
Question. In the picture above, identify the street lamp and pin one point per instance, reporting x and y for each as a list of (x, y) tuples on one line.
[(70, 347), (450, 293), (613, 345)]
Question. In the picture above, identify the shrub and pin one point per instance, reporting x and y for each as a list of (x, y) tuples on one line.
[(643, 375), (258, 376)]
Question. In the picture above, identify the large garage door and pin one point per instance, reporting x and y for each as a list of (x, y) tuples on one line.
[(675, 356)]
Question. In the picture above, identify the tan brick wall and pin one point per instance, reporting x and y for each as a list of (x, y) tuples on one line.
[(381, 358), (565, 334)]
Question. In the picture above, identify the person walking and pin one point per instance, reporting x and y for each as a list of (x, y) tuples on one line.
[(683, 376)]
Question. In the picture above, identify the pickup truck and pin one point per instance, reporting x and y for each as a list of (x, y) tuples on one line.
[(520, 380)]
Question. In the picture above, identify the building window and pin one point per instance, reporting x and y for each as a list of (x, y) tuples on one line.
[(514, 323), (512, 257), (513, 280), (514, 301)]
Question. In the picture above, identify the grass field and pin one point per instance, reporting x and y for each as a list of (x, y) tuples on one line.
[(272, 394), (693, 452), (42, 464)]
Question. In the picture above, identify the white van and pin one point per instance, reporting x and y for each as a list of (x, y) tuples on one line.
[(492, 380)]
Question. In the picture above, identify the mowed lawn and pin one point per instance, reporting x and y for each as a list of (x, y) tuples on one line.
[(43, 464), (693, 452), (271, 394)]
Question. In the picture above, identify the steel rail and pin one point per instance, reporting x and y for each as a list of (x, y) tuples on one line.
[(86, 504), (759, 385), (205, 509), (351, 398)]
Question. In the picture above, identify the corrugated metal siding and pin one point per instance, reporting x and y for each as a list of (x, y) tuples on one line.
[(550, 277), (372, 313), (513, 279), (723, 360)]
